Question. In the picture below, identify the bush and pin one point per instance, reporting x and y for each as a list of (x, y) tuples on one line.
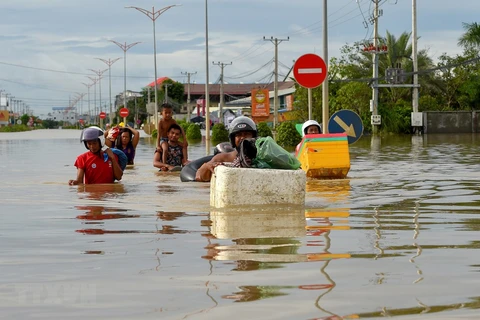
[(264, 130), (219, 133), (287, 134), (154, 133), (193, 132), (184, 125), (15, 128)]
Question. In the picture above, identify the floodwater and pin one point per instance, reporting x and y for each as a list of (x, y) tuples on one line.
[(399, 238)]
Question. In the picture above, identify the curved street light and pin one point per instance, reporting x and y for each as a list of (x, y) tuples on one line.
[(95, 114), (109, 63), (125, 48), (153, 15), (99, 73), (88, 97)]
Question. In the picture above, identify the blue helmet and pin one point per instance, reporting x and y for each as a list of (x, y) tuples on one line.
[(92, 133)]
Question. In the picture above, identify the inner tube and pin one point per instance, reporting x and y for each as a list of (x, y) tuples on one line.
[(190, 170)]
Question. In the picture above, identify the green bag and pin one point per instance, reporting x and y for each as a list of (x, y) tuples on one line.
[(271, 156)]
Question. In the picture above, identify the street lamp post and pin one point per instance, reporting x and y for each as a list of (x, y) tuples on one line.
[(88, 92), (125, 48), (95, 114), (99, 73), (109, 63), (207, 95), (153, 15)]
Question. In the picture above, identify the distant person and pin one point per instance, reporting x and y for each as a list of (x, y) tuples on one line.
[(175, 156), (162, 134), (311, 127), (125, 139), (95, 165), (241, 128)]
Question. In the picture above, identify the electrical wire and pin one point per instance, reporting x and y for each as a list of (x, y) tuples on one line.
[(251, 72)]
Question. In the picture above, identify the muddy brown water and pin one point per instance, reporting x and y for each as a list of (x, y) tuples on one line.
[(398, 238)]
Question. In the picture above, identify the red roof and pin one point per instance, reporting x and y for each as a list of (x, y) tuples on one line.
[(159, 82)]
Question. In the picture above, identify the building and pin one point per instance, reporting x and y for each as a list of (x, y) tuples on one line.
[(63, 114)]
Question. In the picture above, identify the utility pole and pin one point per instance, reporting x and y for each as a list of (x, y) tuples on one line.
[(375, 68), (222, 96), (325, 108), (188, 74), (415, 58), (276, 42), (166, 85)]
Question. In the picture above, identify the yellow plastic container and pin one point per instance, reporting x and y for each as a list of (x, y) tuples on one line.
[(324, 156)]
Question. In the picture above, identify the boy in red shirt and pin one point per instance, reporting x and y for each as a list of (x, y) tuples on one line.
[(95, 165)]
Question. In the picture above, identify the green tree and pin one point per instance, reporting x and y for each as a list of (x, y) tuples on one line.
[(471, 37)]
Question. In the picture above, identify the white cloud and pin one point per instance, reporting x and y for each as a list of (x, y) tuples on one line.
[(68, 36)]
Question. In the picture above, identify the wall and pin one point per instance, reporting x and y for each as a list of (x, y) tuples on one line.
[(451, 122)]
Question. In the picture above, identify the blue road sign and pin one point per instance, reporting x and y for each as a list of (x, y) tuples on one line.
[(346, 121)]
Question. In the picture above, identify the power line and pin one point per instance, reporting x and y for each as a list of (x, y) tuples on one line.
[(249, 73), (71, 72)]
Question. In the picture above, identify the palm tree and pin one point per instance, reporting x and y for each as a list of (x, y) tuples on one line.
[(471, 37)]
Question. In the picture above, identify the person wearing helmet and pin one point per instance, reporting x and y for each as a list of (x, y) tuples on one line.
[(95, 165), (311, 127), (241, 128)]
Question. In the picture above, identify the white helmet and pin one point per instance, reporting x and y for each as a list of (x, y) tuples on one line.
[(92, 133), (308, 124)]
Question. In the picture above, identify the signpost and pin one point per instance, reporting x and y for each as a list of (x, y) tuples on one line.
[(310, 71), (124, 114), (346, 121), (102, 116)]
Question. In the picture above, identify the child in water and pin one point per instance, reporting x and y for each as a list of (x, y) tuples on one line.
[(162, 135)]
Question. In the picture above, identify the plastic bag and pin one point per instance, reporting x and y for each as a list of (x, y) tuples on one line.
[(271, 156)]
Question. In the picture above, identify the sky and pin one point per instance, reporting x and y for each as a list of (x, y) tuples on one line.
[(49, 47)]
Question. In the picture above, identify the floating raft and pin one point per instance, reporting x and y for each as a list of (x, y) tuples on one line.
[(324, 156)]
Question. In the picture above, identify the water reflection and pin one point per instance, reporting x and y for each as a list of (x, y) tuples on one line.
[(266, 240), (102, 213), (332, 190), (261, 238), (323, 223), (422, 309), (416, 233), (101, 191)]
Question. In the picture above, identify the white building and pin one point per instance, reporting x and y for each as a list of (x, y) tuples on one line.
[(65, 114)]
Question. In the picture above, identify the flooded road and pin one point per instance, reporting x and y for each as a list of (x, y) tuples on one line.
[(398, 238)]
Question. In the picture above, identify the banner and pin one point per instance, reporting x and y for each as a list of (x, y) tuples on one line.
[(260, 103), (289, 102), (4, 116), (201, 105)]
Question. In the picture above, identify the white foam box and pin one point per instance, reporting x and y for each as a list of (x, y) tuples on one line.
[(244, 186)]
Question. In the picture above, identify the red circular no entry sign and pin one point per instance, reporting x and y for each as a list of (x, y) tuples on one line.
[(124, 112), (310, 70), (103, 115)]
